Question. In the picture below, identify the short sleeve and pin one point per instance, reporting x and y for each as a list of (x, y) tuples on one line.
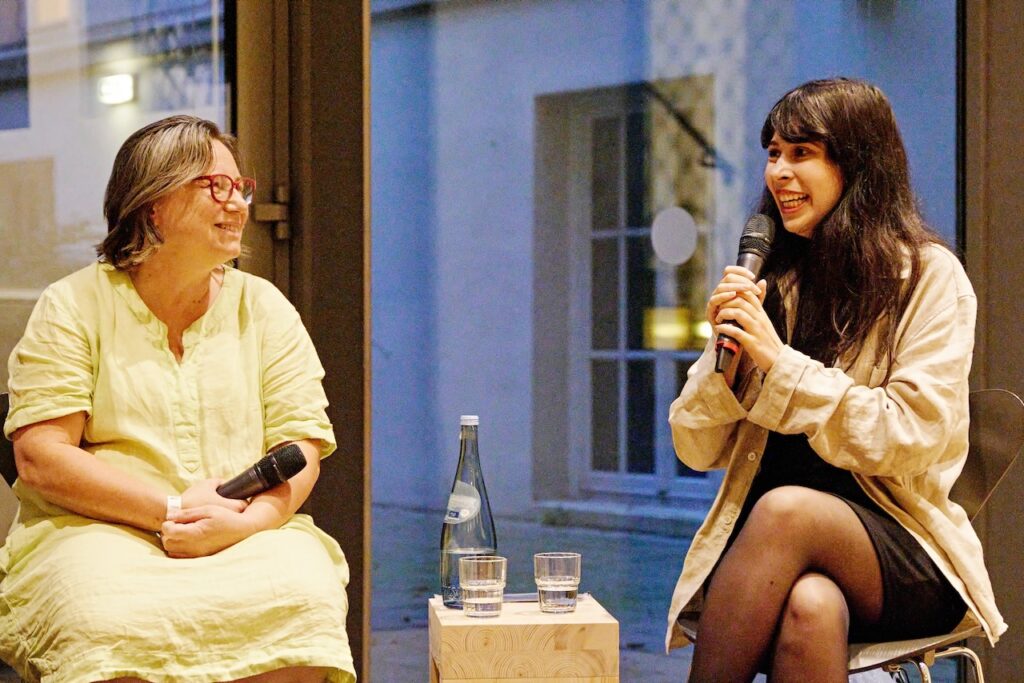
[(51, 367), (294, 402)]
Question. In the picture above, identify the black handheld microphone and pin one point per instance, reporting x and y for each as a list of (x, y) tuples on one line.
[(755, 245), (273, 469)]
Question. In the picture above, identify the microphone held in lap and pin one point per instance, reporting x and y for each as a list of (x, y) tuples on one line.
[(273, 469)]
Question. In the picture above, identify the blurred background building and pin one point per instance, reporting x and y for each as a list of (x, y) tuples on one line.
[(520, 151)]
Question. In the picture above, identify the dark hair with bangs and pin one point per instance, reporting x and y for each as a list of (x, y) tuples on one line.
[(849, 271)]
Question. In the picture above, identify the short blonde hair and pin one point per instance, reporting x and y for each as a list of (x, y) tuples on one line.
[(153, 162)]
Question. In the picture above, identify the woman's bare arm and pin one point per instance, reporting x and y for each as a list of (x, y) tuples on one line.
[(50, 461)]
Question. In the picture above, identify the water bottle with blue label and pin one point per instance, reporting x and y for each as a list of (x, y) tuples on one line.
[(468, 527)]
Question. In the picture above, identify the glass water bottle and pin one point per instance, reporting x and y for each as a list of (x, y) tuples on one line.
[(468, 527)]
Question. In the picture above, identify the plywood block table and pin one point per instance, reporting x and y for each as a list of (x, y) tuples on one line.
[(524, 645)]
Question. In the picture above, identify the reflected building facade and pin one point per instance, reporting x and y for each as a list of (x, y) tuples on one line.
[(520, 152)]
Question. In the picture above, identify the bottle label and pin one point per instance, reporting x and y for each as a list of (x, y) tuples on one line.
[(463, 503)]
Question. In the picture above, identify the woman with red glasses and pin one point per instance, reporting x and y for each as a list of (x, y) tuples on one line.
[(141, 383)]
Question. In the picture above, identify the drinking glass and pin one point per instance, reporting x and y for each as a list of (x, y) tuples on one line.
[(482, 582), (558, 580)]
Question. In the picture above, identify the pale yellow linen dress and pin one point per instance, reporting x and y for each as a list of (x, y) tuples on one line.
[(82, 600)]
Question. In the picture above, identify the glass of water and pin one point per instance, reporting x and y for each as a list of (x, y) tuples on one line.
[(482, 583), (558, 580)]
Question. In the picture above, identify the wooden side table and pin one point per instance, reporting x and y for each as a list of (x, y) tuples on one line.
[(524, 645)]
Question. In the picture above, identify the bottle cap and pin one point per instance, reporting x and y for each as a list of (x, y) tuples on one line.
[(469, 420)]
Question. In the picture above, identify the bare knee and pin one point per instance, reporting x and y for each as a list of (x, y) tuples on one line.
[(815, 606)]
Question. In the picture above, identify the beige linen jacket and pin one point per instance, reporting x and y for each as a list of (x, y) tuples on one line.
[(904, 439)]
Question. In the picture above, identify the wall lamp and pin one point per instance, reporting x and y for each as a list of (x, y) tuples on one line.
[(116, 89)]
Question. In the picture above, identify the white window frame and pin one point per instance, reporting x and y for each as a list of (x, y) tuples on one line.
[(664, 483)]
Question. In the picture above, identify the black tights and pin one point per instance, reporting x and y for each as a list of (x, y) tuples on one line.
[(781, 598)]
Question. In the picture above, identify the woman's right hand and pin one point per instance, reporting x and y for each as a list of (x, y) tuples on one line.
[(204, 530), (736, 283), (205, 493), (735, 280)]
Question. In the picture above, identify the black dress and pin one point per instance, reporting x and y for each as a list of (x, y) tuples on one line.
[(918, 600)]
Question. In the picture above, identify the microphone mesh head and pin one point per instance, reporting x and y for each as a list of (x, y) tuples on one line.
[(757, 235), (290, 460)]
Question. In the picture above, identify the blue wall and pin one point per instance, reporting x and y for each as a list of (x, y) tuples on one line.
[(404, 262)]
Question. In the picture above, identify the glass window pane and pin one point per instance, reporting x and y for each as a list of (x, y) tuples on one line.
[(169, 49), (604, 416), (13, 65), (604, 293), (640, 410), (637, 171), (690, 284), (165, 56), (664, 302), (606, 173), (514, 143), (639, 287), (58, 139)]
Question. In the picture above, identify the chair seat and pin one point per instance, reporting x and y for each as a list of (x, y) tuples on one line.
[(866, 656)]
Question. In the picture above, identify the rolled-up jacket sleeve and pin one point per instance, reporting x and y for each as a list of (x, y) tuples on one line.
[(705, 416)]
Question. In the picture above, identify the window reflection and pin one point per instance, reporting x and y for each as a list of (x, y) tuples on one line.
[(170, 48), (13, 65), (54, 171), (640, 148), (58, 140), (521, 152)]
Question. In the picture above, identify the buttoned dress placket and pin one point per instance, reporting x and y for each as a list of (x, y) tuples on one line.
[(187, 417)]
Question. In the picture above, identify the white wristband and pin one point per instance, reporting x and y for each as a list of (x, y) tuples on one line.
[(173, 505)]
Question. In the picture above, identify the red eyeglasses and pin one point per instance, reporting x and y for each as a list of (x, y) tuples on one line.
[(222, 186)]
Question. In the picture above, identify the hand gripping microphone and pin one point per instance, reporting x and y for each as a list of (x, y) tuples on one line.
[(755, 245), (273, 469)]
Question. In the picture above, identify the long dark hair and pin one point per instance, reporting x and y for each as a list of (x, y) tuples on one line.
[(849, 271)]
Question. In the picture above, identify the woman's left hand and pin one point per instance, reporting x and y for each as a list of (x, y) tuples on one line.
[(754, 331), (203, 530)]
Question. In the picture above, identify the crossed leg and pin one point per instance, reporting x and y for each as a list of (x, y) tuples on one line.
[(783, 594)]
